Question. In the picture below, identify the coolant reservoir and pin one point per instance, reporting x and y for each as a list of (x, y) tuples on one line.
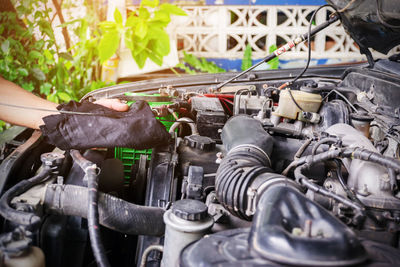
[(307, 101)]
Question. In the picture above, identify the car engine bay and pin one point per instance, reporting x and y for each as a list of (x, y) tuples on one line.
[(255, 174), (268, 183)]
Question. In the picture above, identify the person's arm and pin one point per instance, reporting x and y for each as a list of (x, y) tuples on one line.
[(11, 93)]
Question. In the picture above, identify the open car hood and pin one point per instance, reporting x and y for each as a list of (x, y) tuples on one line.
[(371, 23)]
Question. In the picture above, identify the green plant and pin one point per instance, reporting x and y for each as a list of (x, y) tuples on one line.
[(246, 61), (274, 63), (31, 57), (144, 32), (192, 65), (36, 63)]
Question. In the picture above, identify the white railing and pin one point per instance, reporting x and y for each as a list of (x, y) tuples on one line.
[(224, 31)]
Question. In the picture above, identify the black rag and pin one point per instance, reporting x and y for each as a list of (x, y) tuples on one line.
[(137, 128)]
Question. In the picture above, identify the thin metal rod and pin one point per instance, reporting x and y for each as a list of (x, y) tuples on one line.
[(282, 49)]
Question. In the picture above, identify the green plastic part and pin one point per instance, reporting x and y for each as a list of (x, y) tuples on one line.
[(130, 156)]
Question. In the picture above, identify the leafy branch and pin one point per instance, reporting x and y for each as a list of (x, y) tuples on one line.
[(144, 32), (192, 65)]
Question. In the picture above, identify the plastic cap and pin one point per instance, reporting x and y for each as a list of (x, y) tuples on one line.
[(190, 210)]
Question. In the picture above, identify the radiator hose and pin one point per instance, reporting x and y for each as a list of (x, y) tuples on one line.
[(114, 213), (245, 173), (17, 216)]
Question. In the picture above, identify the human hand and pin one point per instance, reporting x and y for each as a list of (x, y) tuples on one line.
[(112, 103), (104, 127)]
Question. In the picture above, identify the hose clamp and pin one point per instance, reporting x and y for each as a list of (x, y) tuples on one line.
[(262, 152)]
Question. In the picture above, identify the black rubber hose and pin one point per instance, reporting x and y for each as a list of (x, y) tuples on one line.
[(90, 170), (323, 141), (114, 213), (318, 189), (367, 155), (248, 158), (16, 216), (244, 130)]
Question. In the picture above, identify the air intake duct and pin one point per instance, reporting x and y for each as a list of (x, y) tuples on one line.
[(245, 173)]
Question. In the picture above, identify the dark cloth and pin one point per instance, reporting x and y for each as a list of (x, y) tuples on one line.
[(137, 128)]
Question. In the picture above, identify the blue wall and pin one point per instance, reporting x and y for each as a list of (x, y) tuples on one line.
[(258, 2), (270, 2)]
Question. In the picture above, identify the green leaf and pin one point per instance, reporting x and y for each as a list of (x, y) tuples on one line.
[(45, 88), (68, 65), (34, 55), (117, 16), (108, 26), (108, 45), (38, 74), (39, 44), (162, 45), (162, 16), (156, 58), (186, 68), (173, 9), (139, 45), (38, 14), (129, 39), (150, 3), (246, 61), (47, 54), (64, 96), (28, 86), (274, 63), (66, 56), (144, 13), (5, 46), (131, 21), (53, 98), (141, 58), (83, 30), (45, 27), (202, 65), (23, 72), (141, 29), (65, 24)]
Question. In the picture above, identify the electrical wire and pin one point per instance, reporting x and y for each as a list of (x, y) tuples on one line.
[(348, 191), (347, 6), (308, 57), (308, 43), (342, 96)]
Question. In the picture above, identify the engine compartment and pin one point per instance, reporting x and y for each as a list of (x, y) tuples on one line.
[(248, 178)]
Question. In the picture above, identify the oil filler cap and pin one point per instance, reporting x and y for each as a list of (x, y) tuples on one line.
[(201, 142), (190, 210)]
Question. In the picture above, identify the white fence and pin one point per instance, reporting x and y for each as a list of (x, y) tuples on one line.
[(224, 32)]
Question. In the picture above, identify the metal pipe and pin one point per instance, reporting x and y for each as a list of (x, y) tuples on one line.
[(189, 121)]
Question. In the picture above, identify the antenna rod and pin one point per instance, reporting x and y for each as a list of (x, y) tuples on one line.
[(282, 49)]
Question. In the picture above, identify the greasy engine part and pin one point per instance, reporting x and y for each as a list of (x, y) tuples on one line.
[(246, 162), (51, 163), (161, 190), (114, 213), (210, 116), (241, 181), (286, 217), (290, 229), (91, 173), (372, 183)]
